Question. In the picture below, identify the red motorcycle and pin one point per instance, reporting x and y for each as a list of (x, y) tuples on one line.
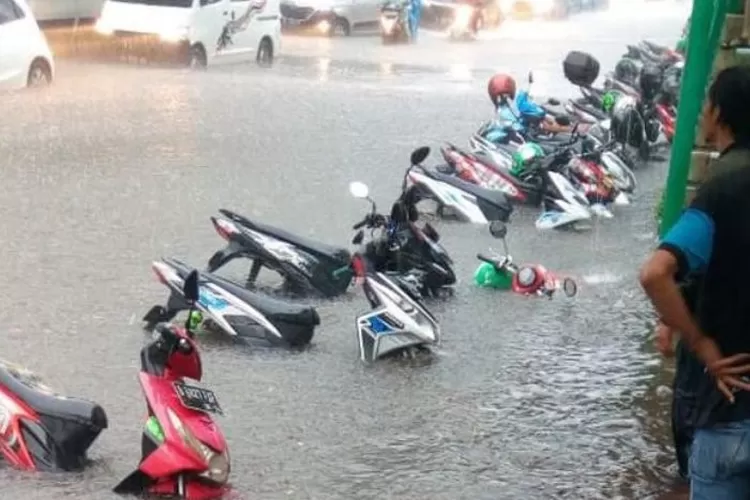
[(41, 430), (667, 115), (184, 453), (503, 273), (469, 168)]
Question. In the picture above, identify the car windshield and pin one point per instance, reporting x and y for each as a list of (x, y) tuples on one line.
[(161, 3)]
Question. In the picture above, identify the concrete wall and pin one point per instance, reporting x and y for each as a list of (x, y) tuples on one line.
[(57, 10)]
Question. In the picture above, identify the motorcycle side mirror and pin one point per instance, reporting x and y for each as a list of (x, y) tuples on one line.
[(359, 190), (498, 229), (570, 287), (431, 232), (563, 121), (419, 155), (358, 237), (190, 287)]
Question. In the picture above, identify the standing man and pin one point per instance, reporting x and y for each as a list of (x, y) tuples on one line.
[(415, 15), (710, 244)]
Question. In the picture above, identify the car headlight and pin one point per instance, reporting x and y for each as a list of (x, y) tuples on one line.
[(102, 27), (463, 16), (544, 5), (217, 463), (172, 35)]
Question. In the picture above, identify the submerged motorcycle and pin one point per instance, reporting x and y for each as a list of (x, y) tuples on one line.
[(502, 273), (465, 200), (226, 306), (404, 248), (399, 323), (184, 453), (41, 430), (549, 184), (306, 265), (394, 22)]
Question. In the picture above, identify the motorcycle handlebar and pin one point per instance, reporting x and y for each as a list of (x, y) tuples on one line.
[(486, 259), (360, 224), (172, 340)]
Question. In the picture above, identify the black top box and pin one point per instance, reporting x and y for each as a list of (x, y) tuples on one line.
[(580, 68)]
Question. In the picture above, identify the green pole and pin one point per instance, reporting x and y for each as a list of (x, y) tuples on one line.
[(706, 23)]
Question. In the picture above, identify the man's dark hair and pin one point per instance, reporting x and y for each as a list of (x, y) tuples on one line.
[(730, 94)]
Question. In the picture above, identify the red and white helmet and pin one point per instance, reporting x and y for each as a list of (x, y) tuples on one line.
[(501, 85)]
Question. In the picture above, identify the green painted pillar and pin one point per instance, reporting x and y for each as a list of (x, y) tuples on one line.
[(706, 23)]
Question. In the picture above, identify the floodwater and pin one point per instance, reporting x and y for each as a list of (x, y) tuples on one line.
[(117, 165)]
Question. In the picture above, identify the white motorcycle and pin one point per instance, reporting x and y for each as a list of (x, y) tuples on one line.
[(398, 323), (232, 309), (464, 200)]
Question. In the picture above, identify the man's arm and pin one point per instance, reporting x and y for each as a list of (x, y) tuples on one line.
[(685, 250)]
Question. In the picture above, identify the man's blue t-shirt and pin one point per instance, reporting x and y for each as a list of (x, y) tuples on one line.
[(711, 242)]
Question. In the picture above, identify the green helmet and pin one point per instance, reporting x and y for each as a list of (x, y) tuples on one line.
[(195, 319), (526, 155), (488, 276), (608, 100)]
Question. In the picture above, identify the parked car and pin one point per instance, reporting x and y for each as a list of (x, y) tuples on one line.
[(194, 32), (25, 58), (550, 9), (330, 17)]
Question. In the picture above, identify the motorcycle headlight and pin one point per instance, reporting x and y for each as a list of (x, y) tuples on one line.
[(400, 302), (217, 463)]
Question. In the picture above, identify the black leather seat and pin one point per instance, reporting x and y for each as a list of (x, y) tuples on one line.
[(273, 309), (307, 244), (78, 410), (492, 196)]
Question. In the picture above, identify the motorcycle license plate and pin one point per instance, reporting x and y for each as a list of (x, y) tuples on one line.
[(197, 398)]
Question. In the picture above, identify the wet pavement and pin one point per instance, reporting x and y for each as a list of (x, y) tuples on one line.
[(117, 165)]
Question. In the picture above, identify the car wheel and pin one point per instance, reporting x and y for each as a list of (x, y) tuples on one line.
[(265, 53), (197, 57), (339, 27), (39, 75)]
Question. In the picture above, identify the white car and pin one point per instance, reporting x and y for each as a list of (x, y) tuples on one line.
[(197, 32), (25, 58)]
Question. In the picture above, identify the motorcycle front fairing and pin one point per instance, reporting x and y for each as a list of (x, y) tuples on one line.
[(397, 322)]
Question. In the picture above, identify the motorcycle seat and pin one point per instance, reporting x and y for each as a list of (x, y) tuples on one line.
[(492, 196), (307, 244), (273, 309), (80, 411)]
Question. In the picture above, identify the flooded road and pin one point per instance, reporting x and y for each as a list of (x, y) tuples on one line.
[(115, 166)]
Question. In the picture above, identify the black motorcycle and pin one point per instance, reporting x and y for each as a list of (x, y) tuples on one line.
[(402, 246), (307, 266)]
